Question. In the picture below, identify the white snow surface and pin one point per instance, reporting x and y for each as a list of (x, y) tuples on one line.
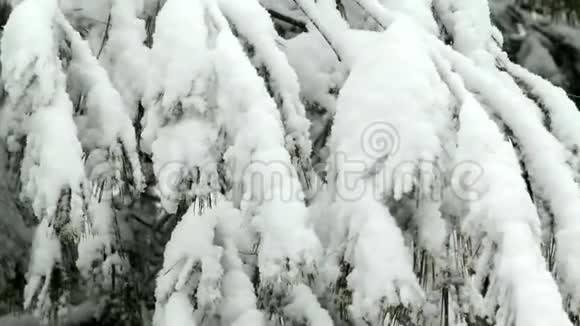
[(505, 213), (261, 33), (261, 164)]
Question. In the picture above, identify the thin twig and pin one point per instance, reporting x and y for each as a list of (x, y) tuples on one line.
[(105, 37), (318, 27), (378, 21), (287, 19)]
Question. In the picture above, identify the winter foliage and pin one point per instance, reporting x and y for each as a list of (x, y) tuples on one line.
[(287, 162)]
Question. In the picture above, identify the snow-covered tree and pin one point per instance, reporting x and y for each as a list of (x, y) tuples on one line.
[(288, 162)]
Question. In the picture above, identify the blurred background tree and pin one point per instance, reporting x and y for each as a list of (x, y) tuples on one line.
[(558, 9), (544, 37)]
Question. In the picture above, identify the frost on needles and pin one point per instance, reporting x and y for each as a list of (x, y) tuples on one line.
[(288, 162)]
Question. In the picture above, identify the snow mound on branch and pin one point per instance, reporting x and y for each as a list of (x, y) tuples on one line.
[(125, 56), (506, 214), (280, 214), (35, 87), (191, 243), (45, 255), (180, 149), (469, 22), (261, 34), (397, 124), (180, 66), (178, 311), (419, 10), (391, 117)]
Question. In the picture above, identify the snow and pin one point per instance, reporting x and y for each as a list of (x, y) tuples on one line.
[(305, 306), (177, 124), (549, 171), (178, 311), (18, 58), (96, 241), (552, 179), (259, 152), (469, 23), (563, 113), (177, 80), (405, 176), (418, 10), (35, 88), (560, 193), (125, 56), (41, 111), (506, 213), (260, 32), (329, 24), (106, 110), (382, 264), (191, 243), (384, 133), (432, 228), (239, 304), (320, 73), (183, 149), (222, 285), (52, 159), (397, 130), (45, 256)]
